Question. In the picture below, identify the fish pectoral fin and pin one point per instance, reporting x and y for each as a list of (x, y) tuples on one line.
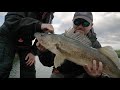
[(58, 61), (111, 54)]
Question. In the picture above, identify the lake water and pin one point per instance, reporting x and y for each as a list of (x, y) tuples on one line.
[(41, 71)]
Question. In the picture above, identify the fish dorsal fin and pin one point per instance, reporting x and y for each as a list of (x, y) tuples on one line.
[(111, 54), (79, 36)]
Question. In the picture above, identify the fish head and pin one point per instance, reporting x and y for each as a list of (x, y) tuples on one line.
[(47, 40)]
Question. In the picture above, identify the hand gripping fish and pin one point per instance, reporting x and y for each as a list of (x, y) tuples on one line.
[(77, 48)]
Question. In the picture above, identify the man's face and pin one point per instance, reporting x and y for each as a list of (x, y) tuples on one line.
[(82, 26)]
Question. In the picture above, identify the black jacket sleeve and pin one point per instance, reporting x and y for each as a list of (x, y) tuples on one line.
[(46, 58), (101, 76), (18, 21)]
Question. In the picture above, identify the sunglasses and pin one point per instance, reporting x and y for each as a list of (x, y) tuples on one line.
[(79, 21)]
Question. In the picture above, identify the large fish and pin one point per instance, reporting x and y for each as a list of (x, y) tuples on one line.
[(79, 50)]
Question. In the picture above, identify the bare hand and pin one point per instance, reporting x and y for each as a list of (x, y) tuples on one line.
[(94, 70), (40, 47), (47, 28), (30, 59)]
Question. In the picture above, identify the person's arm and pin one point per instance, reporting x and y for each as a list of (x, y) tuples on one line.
[(19, 22), (46, 58), (15, 21)]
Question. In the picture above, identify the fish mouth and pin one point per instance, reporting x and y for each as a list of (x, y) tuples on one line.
[(79, 31), (41, 41)]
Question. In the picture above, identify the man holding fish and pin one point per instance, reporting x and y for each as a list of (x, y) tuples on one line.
[(82, 25)]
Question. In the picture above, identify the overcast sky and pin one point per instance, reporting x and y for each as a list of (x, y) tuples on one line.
[(106, 25)]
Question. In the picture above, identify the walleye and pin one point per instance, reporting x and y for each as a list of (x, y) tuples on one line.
[(79, 52)]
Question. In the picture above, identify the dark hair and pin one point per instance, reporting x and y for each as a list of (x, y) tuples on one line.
[(92, 36)]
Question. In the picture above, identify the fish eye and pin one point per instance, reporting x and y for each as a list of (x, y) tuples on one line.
[(42, 34), (49, 33)]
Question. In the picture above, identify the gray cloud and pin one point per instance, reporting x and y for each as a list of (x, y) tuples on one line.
[(3, 13), (108, 29)]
